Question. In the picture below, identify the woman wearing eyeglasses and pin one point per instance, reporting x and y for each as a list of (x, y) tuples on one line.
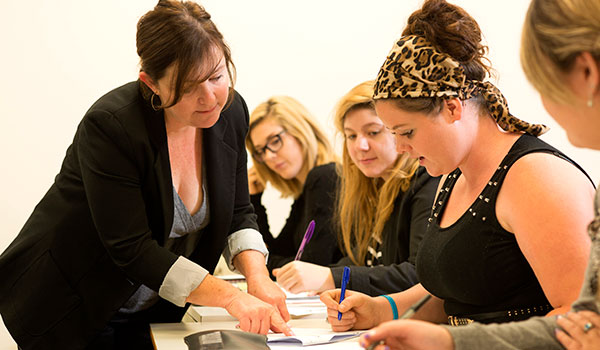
[(291, 152)]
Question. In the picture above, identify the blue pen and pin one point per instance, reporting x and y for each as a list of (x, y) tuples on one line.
[(345, 279), (307, 236)]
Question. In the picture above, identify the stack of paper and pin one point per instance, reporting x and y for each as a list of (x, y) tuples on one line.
[(239, 281), (305, 306)]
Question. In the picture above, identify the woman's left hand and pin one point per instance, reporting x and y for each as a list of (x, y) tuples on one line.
[(300, 276), (580, 330), (262, 287)]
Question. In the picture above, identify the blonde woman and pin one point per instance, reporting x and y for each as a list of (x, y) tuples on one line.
[(291, 152), (560, 54), (383, 206)]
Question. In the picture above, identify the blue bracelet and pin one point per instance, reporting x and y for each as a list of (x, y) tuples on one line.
[(393, 304)]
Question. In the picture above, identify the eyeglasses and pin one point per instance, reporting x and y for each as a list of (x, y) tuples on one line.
[(274, 144)]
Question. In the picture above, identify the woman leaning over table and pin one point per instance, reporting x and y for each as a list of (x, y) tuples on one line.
[(383, 205), (291, 152), (560, 54), (151, 191), (500, 245)]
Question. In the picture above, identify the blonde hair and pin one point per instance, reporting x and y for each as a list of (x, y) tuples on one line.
[(365, 204), (554, 33), (299, 123)]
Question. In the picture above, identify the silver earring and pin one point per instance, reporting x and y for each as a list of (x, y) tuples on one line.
[(153, 104)]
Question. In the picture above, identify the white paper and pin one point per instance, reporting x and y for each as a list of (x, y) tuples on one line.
[(310, 336)]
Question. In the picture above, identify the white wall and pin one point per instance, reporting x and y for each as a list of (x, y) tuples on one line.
[(59, 56)]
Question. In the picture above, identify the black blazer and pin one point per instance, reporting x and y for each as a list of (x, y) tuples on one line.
[(99, 231)]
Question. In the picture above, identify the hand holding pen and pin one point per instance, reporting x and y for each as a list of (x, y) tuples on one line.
[(307, 236), (359, 311)]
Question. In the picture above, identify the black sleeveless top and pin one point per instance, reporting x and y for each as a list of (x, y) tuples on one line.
[(475, 265)]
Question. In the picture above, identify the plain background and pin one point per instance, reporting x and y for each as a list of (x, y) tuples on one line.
[(59, 56)]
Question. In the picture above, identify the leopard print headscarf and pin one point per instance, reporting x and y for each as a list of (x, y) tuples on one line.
[(414, 68)]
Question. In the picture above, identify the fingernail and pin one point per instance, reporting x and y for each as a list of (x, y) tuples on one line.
[(386, 347), (367, 336)]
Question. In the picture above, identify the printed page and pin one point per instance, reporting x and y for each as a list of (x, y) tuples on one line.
[(311, 336)]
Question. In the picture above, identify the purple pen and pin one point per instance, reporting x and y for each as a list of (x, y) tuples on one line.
[(309, 232)]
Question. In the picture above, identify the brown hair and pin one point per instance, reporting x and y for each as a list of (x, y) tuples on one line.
[(365, 204), (554, 33), (180, 33), (451, 30)]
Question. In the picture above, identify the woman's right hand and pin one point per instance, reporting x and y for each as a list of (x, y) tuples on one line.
[(359, 311), (408, 335), (255, 183), (255, 315)]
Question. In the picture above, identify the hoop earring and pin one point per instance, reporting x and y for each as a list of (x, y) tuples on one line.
[(152, 103)]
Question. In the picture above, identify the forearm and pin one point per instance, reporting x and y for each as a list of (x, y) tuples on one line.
[(251, 264), (213, 292), (535, 333)]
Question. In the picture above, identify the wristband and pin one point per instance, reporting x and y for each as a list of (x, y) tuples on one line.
[(393, 305)]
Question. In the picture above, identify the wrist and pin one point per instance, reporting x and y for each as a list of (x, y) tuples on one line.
[(229, 296), (393, 306), (384, 309), (257, 276)]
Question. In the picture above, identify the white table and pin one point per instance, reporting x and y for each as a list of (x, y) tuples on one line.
[(169, 336)]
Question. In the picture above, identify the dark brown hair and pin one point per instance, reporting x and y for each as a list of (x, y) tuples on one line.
[(180, 33), (451, 30)]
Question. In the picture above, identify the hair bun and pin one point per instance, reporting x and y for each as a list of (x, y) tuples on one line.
[(453, 31)]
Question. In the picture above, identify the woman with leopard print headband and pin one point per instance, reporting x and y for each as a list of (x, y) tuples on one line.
[(560, 54), (500, 246)]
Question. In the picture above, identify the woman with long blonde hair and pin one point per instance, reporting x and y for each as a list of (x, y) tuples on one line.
[(291, 152), (383, 205)]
